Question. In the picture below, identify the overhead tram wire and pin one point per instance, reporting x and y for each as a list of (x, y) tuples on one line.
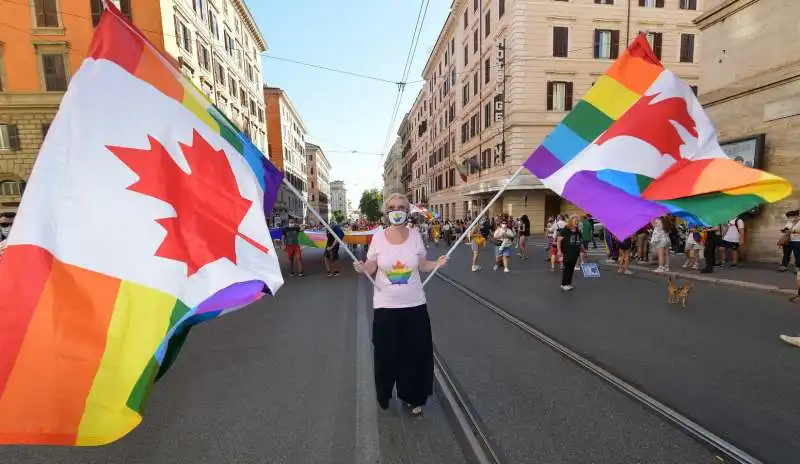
[(412, 49)]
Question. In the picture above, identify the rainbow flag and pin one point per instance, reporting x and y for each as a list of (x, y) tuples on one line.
[(144, 215), (639, 145), (312, 239)]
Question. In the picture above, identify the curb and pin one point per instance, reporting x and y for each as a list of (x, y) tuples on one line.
[(715, 280), (711, 280)]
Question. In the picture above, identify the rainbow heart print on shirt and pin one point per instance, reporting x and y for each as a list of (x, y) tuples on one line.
[(399, 274)]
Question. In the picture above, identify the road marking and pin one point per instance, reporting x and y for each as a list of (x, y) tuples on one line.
[(367, 441)]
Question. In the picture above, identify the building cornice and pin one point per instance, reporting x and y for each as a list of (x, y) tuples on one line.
[(437, 46), (244, 12), (285, 99), (720, 12), (28, 100)]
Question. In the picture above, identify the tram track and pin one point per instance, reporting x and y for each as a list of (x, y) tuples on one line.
[(476, 439)]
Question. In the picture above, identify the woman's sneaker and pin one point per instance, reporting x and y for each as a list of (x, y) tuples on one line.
[(476, 268)]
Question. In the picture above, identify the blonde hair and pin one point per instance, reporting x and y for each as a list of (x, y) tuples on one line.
[(396, 196)]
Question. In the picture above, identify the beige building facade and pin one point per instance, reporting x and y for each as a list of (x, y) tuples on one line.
[(751, 91), (318, 170), (392, 170), (502, 75)]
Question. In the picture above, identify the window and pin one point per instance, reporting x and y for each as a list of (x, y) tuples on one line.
[(688, 4), (199, 8), (474, 124), (46, 13), (212, 24), (687, 48), (465, 94), (487, 115), (604, 2), (12, 187), (606, 44), (560, 41), (229, 45), (652, 3), (487, 27), (203, 57), (655, 39), (559, 96), (9, 137), (466, 19), (97, 9), (466, 55), (474, 41), (501, 8), (232, 87), (475, 84), (242, 98), (694, 89), (54, 72), (183, 35), (453, 46), (452, 113), (464, 132), (475, 5), (486, 74), (219, 74)]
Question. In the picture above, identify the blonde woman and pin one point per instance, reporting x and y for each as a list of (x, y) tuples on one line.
[(401, 328)]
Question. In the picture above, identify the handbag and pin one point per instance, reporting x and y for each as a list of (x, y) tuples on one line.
[(785, 239)]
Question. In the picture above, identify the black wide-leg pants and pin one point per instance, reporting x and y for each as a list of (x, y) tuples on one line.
[(403, 354)]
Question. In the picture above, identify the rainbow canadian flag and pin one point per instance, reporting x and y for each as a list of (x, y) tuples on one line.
[(144, 215)]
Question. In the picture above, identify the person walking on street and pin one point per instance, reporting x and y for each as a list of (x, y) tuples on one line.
[(401, 328), (505, 236), (331, 257), (291, 243), (569, 246), (790, 240), (710, 250), (524, 231)]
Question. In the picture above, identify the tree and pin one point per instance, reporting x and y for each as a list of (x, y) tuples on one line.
[(370, 204), (338, 216)]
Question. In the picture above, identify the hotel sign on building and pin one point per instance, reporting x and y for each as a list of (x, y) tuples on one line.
[(499, 102)]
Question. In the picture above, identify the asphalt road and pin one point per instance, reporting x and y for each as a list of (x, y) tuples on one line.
[(718, 362), (281, 381)]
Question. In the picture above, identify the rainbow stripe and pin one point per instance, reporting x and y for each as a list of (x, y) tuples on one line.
[(399, 274), (707, 189), (79, 349), (313, 239), (118, 41)]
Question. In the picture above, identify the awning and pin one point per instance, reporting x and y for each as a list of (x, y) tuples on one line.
[(523, 181)]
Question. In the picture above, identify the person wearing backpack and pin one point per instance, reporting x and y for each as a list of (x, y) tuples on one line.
[(732, 240)]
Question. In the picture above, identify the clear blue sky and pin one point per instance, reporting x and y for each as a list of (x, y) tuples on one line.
[(364, 36)]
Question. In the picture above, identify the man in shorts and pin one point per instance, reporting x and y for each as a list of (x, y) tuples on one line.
[(291, 243)]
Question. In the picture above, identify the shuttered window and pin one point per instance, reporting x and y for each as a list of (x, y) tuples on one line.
[(606, 44), (559, 96), (687, 48), (46, 13), (55, 74)]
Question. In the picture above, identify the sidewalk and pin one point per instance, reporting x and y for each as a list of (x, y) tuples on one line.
[(755, 275)]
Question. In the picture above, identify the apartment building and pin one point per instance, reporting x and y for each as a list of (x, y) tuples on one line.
[(286, 134), (752, 95), (218, 45), (339, 197), (318, 173), (500, 77), (38, 57), (392, 170)]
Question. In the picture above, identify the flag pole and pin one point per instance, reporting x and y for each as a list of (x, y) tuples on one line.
[(316, 214), (475, 222)]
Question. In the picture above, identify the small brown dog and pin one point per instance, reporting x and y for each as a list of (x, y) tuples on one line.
[(677, 294)]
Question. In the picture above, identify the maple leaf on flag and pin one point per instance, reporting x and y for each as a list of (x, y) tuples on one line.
[(651, 123), (208, 205)]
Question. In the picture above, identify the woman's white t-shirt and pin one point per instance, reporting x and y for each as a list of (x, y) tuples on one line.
[(397, 280)]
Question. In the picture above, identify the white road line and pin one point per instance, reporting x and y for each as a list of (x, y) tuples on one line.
[(367, 441)]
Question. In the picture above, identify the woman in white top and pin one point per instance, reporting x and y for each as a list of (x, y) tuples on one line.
[(401, 328), (660, 242)]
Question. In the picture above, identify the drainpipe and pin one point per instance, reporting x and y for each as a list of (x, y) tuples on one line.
[(628, 27)]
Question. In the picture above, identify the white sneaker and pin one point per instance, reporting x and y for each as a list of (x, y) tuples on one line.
[(567, 288), (506, 270), (476, 268), (791, 340), (660, 269), (495, 267)]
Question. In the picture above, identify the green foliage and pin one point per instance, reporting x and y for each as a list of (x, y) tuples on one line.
[(371, 203), (339, 217)]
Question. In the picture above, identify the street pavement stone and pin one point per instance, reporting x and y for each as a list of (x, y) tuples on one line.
[(539, 407), (719, 361)]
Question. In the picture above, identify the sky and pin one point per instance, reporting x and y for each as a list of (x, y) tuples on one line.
[(344, 113)]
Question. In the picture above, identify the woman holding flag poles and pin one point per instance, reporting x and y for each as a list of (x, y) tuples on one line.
[(401, 330)]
